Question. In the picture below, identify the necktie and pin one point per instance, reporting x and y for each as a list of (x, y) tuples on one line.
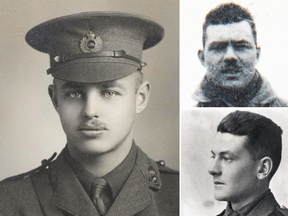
[(99, 185)]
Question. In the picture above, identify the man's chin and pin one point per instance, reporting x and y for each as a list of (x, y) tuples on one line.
[(220, 197), (93, 147)]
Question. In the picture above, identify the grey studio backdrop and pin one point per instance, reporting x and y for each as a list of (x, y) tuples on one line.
[(198, 130), (30, 129)]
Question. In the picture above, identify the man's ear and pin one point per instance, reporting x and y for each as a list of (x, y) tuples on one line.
[(201, 57), (52, 94), (265, 168), (142, 96), (258, 50)]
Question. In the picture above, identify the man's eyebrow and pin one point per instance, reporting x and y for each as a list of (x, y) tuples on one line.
[(216, 43), (112, 84), (219, 42), (104, 85), (68, 85), (241, 42), (224, 152)]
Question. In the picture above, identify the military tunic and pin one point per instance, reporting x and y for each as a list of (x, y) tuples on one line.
[(259, 93), (265, 205), (150, 189)]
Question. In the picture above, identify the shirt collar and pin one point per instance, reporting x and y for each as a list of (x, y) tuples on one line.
[(115, 179), (247, 208)]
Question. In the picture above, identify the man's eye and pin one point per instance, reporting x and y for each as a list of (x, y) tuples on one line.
[(75, 95), (226, 159), (218, 47), (109, 94), (241, 47)]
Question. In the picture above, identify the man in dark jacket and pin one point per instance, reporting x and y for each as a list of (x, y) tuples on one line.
[(229, 54), (98, 89), (246, 154)]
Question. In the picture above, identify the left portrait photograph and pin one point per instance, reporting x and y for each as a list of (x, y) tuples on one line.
[(90, 108)]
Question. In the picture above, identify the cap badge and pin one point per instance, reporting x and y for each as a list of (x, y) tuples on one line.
[(90, 43)]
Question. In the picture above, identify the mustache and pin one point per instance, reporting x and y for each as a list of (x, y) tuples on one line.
[(232, 69), (92, 125)]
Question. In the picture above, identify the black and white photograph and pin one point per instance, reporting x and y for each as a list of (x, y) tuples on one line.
[(96, 82), (233, 53), (231, 161)]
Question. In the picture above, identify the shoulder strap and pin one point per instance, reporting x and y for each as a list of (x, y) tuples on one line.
[(44, 193), (283, 210), (44, 164)]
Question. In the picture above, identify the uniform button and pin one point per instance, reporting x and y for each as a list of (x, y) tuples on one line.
[(151, 170), (161, 163), (153, 179), (44, 162)]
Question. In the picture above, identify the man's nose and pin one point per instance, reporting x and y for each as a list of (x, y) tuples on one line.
[(230, 56), (92, 105), (215, 168)]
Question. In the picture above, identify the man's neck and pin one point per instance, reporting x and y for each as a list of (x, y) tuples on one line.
[(102, 164), (233, 97), (237, 205)]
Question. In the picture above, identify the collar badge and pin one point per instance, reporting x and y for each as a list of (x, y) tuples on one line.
[(90, 43)]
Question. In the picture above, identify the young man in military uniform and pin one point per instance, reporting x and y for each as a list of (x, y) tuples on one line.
[(230, 54), (97, 90), (246, 154)]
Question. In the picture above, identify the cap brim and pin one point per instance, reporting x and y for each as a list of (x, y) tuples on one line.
[(94, 72)]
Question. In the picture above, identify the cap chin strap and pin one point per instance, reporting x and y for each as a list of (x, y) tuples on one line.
[(113, 54)]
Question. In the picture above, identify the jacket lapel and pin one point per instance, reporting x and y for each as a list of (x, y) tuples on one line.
[(135, 195), (69, 194)]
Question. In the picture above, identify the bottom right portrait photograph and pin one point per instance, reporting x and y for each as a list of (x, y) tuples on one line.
[(234, 161)]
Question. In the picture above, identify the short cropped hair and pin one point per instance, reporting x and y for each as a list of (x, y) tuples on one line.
[(226, 14), (263, 135)]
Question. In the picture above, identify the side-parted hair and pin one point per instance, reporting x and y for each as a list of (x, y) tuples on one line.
[(263, 135), (226, 14)]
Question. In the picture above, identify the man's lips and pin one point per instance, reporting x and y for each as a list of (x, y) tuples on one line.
[(231, 71), (218, 183), (92, 128)]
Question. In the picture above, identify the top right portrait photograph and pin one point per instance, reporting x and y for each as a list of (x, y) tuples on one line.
[(233, 54)]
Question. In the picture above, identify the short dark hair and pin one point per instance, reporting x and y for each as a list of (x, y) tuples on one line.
[(226, 14), (264, 136)]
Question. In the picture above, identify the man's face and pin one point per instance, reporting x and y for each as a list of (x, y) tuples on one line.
[(98, 117), (233, 169), (230, 55)]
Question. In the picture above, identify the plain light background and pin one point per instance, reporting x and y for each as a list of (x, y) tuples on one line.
[(30, 129), (198, 130), (272, 30)]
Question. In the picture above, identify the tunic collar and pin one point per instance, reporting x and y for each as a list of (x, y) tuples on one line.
[(247, 208), (258, 92), (115, 179)]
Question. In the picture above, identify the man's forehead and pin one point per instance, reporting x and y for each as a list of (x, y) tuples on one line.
[(225, 142), (229, 32)]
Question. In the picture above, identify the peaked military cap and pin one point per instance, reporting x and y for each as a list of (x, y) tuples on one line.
[(95, 46)]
